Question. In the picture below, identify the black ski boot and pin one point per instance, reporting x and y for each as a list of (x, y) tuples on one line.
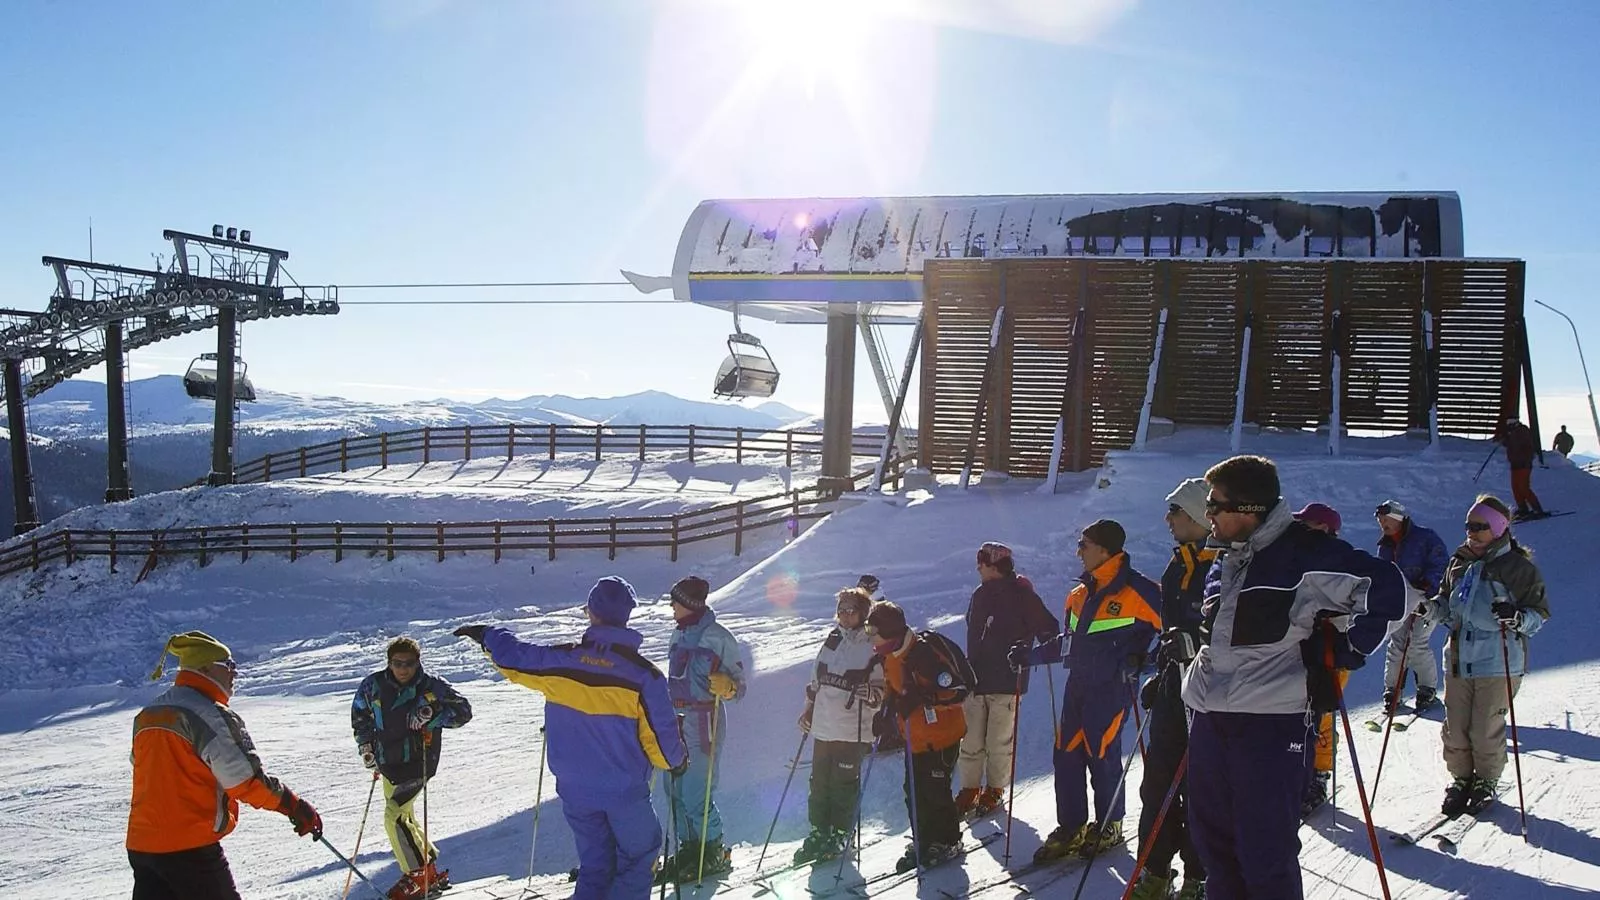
[(1455, 797), (1426, 698), (1479, 797), (1316, 794)]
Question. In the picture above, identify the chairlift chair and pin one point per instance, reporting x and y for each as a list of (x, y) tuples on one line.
[(200, 382), (748, 371)]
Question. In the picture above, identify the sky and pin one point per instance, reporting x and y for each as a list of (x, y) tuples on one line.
[(407, 141)]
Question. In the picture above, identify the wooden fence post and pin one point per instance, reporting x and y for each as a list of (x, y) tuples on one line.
[(388, 540), (691, 443), (294, 542), (204, 559), (34, 545), (611, 552), (552, 440), (511, 440), (266, 467), (675, 520), (244, 543), (497, 541), (551, 525), (738, 445), (788, 449), (338, 542), (344, 454), (738, 528), (427, 444), (113, 551), (70, 558), (641, 441), (383, 450), (439, 527), (302, 462), (466, 443), (597, 442)]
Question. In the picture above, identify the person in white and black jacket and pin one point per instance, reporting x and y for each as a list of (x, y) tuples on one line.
[(846, 687)]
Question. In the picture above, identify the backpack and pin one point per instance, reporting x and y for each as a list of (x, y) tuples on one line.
[(962, 677)]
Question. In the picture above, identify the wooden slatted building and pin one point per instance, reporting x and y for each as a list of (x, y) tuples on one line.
[(1079, 335)]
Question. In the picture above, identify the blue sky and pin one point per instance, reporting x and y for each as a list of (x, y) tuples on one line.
[(430, 140)]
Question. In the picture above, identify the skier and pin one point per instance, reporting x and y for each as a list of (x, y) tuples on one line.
[(1254, 687), (1112, 615), (193, 761), (1324, 519), (1492, 592), (1182, 592), (923, 686), (845, 688), (609, 722), (1003, 611), (397, 715), (1563, 443), (1520, 450), (1420, 555), (705, 667)]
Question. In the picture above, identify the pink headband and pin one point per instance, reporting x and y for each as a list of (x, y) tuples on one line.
[(1497, 522)]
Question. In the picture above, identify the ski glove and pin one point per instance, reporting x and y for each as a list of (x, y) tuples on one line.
[(805, 721), (1020, 656), (1177, 646), (302, 814), (723, 685), (475, 632), (369, 757), (1506, 612), (420, 717), (1150, 692)]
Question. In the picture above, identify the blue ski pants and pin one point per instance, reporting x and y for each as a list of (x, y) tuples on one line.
[(689, 789), (1090, 752), (619, 840)]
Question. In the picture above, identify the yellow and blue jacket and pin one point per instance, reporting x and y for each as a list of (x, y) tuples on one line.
[(608, 718)]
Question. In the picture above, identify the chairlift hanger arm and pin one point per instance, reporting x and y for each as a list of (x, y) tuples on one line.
[(208, 240)]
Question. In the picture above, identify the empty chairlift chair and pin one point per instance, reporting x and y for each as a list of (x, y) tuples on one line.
[(200, 381), (748, 371)]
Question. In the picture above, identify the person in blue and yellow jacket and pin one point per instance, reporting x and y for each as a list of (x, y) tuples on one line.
[(705, 668), (397, 715), (609, 723), (1112, 617)]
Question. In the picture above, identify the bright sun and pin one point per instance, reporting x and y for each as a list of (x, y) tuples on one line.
[(811, 42)]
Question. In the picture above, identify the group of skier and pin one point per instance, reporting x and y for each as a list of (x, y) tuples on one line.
[(1255, 624)]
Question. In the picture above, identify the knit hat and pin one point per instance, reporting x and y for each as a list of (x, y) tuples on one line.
[(1190, 496), (691, 592), (868, 583), (1394, 509), (887, 620), (1108, 534), (194, 650), (992, 552), (612, 600), (1321, 514)]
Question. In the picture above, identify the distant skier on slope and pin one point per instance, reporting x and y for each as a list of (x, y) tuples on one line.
[(1255, 687), (845, 687), (397, 714), (1563, 443), (1182, 596), (193, 761), (1492, 591), (610, 724), (1003, 610), (1420, 556)]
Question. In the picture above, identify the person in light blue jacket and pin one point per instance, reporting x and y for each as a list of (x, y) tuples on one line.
[(1491, 600), (705, 668)]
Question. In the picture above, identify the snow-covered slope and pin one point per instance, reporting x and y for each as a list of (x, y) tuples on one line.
[(82, 639)]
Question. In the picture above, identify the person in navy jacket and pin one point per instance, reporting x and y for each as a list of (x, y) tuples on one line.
[(1420, 556), (609, 722)]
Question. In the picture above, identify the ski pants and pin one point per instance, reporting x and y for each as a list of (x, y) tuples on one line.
[(1418, 653), (1169, 741), (986, 749), (406, 835), (936, 818), (1522, 489), (619, 840), (1474, 732), (694, 792), (1090, 752), (1328, 731), (198, 874), (1247, 777), (835, 783)]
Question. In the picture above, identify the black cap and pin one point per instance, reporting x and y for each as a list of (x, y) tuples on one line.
[(1108, 534), (887, 620)]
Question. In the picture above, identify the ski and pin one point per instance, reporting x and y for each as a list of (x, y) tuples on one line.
[(1548, 515), (1406, 721), (1423, 828), (877, 884), (1450, 836)]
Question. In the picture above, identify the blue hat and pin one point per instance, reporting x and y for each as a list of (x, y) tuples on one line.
[(611, 600)]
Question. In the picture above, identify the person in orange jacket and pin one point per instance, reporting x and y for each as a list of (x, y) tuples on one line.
[(926, 693), (193, 761)]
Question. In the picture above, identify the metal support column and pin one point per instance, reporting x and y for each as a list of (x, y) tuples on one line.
[(118, 484), (222, 428), (21, 467), (838, 402)]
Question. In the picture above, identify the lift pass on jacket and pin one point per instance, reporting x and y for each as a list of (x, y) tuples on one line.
[(930, 715)]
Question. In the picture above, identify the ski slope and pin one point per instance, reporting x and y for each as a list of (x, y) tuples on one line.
[(83, 640)]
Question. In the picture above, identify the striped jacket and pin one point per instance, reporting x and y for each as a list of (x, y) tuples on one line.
[(844, 664), (608, 718), (193, 761)]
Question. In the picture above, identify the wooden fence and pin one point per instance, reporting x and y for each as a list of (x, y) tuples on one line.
[(469, 442), (438, 539)]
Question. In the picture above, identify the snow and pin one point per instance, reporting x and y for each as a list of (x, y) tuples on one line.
[(83, 640)]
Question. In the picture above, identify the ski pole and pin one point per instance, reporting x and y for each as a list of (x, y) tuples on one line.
[(427, 847), (538, 805), (1485, 463), (673, 785), (861, 795), (911, 794), (360, 833), (1155, 829), (1516, 752), (1138, 717), (711, 771), (793, 764), (1050, 673), (1011, 785), (1394, 703), (1127, 767), (321, 839), (1355, 761)]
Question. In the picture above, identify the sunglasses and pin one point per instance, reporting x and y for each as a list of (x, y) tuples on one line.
[(1476, 527), (1173, 509), (1384, 510), (403, 662), (230, 665), (1214, 505)]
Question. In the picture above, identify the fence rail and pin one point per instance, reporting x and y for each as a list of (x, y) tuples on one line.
[(469, 442), (734, 519)]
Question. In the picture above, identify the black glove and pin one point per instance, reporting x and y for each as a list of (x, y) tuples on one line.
[(1020, 656), (1150, 692), (908, 703), (420, 717), (302, 814), (1177, 646), (369, 757), (678, 770), (475, 632), (1506, 612)]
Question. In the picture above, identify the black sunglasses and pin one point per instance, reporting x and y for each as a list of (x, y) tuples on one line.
[(403, 662), (1476, 526), (1214, 505)]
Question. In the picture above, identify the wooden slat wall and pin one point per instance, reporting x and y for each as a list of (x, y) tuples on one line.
[(1475, 304)]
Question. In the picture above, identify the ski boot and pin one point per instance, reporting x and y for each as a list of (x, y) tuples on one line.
[(1316, 794), (718, 862), (1152, 887), (428, 881), (1388, 703), (1193, 888), (967, 802), (1062, 844), (1426, 698), (1102, 838), (1456, 796), (989, 802), (1479, 797), (819, 845), (932, 855)]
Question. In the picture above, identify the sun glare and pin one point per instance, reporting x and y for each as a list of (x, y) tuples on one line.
[(808, 42)]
